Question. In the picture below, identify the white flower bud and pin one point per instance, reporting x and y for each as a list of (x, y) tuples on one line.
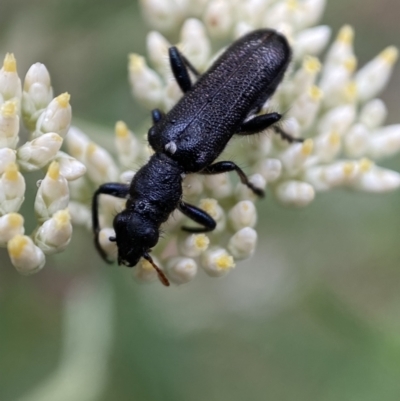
[(100, 165), (77, 143), (341, 49), (217, 262), (11, 224), (172, 93), (54, 234), (109, 247), (194, 245), (127, 176), (195, 44), (243, 214), (181, 270), (306, 106), (243, 243), (243, 192), (25, 255), (212, 207), (164, 15), (327, 146), (7, 156), (192, 185), (127, 145), (70, 168), (218, 18), (80, 214), (375, 179), (251, 11), (295, 193), (146, 85), (9, 124), (338, 119), (53, 193), (10, 84), (384, 141), (241, 29), (311, 41), (37, 94), (373, 114), (270, 169), (55, 118), (219, 185), (296, 155), (36, 154), (157, 49), (311, 12), (12, 189), (145, 272), (356, 141), (374, 76)]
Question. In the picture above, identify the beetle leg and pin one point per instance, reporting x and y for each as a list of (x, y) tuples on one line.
[(199, 216), (112, 188), (260, 123), (179, 66), (226, 166), (157, 115)]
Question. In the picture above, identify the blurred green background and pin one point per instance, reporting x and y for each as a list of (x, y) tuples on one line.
[(314, 315)]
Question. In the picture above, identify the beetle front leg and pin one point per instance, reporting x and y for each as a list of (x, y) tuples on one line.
[(179, 66), (260, 123), (199, 216), (114, 189)]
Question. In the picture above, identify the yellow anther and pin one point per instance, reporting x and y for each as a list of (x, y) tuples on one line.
[(63, 100), (9, 109), (91, 149), (121, 130), (348, 168), (292, 5), (16, 245), (11, 172), (311, 64), (136, 62), (350, 91), (225, 262), (390, 55), (346, 34), (15, 220), (53, 171), (351, 64), (10, 64), (365, 165), (307, 147), (209, 205), (315, 93), (62, 218), (201, 242), (334, 138)]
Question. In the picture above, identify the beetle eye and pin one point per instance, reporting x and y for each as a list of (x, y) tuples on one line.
[(140, 206)]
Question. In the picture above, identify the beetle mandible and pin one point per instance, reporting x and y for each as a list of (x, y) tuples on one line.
[(224, 101)]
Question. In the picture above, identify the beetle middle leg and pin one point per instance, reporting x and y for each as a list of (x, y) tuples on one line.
[(114, 189), (179, 66), (260, 123), (199, 216), (227, 166)]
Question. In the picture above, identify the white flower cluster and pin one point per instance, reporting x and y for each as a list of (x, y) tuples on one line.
[(48, 121), (330, 104)]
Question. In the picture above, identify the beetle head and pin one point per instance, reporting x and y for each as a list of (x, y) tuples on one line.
[(135, 235)]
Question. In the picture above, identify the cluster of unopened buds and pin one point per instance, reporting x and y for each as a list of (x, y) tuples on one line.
[(331, 104), (47, 122)]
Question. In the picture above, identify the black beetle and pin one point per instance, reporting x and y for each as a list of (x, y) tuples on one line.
[(224, 101)]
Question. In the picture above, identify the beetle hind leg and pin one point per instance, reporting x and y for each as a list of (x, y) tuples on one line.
[(227, 166), (260, 123)]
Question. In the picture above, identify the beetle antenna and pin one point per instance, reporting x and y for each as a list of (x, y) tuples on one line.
[(162, 277)]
